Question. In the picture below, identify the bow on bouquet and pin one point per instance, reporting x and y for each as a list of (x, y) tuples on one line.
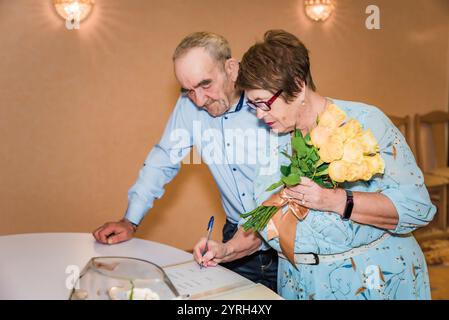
[(335, 151)]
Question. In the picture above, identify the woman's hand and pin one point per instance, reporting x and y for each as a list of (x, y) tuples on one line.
[(311, 195), (370, 208)]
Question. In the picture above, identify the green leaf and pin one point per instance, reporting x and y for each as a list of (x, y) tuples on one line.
[(324, 182), (286, 170), (304, 168), (322, 173), (322, 167), (299, 145), (295, 163), (308, 139), (297, 171), (318, 163), (318, 179), (276, 185), (292, 180), (328, 185), (314, 156)]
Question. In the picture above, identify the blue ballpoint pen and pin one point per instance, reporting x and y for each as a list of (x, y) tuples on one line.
[(209, 231)]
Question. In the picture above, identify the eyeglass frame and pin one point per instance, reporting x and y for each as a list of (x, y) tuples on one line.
[(266, 105)]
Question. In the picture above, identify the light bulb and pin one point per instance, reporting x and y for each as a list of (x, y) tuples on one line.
[(318, 10), (73, 9)]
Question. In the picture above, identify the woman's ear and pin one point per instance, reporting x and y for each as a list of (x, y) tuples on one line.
[(232, 68), (301, 84), (302, 94)]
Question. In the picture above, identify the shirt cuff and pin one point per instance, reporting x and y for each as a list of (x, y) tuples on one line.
[(135, 212)]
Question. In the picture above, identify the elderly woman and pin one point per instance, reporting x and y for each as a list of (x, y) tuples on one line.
[(355, 242)]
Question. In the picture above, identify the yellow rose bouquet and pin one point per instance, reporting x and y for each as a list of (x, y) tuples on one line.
[(334, 152)]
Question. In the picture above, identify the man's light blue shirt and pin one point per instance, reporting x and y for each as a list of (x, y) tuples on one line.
[(231, 145)]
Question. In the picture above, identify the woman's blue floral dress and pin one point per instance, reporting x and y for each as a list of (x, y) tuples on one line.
[(395, 268)]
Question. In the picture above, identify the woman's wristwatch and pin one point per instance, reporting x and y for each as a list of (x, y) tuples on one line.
[(349, 205)]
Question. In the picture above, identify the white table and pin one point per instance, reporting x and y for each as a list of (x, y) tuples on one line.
[(37, 266)]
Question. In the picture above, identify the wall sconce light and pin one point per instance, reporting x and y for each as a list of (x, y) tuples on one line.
[(318, 10), (73, 11)]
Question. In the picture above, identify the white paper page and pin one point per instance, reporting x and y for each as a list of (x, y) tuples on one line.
[(255, 291), (190, 279)]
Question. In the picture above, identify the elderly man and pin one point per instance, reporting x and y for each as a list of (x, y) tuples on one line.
[(210, 109)]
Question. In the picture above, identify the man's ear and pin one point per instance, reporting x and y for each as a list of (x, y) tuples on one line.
[(232, 68)]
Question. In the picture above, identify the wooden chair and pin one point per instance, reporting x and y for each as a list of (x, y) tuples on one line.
[(403, 124), (437, 122), (436, 185), (437, 167)]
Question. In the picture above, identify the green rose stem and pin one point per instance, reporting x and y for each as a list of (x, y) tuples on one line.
[(304, 162)]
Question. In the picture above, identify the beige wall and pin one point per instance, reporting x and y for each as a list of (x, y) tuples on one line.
[(79, 110)]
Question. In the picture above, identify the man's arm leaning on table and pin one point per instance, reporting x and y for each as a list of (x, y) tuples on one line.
[(160, 167)]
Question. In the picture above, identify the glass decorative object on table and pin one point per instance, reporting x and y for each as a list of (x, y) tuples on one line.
[(123, 278)]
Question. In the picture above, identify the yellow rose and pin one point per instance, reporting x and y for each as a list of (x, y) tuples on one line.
[(332, 117), (363, 172), (353, 151), (353, 172), (332, 149), (368, 142), (367, 174), (338, 171), (358, 171), (341, 171), (319, 135), (375, 163), (350, 129)]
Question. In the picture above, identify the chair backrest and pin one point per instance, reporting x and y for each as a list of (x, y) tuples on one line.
[(403, 124), (438, 122)]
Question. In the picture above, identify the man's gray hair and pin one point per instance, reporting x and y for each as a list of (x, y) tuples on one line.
[(216, 45)]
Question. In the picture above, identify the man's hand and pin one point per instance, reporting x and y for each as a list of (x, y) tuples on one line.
[(242, 244), (215, 254), (115, 232)]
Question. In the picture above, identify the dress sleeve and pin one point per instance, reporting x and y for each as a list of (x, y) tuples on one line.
[(402, 181)]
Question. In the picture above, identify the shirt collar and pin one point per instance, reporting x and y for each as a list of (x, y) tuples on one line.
[(237, 107)]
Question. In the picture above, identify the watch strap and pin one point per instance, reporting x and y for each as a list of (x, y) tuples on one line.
[(349, 205)]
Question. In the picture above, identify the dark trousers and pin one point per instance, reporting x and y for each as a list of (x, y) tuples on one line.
[(260, 267)]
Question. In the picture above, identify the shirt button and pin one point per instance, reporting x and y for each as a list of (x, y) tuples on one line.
[(228, 144), (226, 118), (234, 169), (243, 194)]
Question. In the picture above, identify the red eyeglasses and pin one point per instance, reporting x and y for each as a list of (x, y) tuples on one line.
[(263, 105)]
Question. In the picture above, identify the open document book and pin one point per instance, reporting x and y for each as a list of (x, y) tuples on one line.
[(215, 283)]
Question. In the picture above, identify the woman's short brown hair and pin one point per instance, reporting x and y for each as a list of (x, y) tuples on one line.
[(276, 64)]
